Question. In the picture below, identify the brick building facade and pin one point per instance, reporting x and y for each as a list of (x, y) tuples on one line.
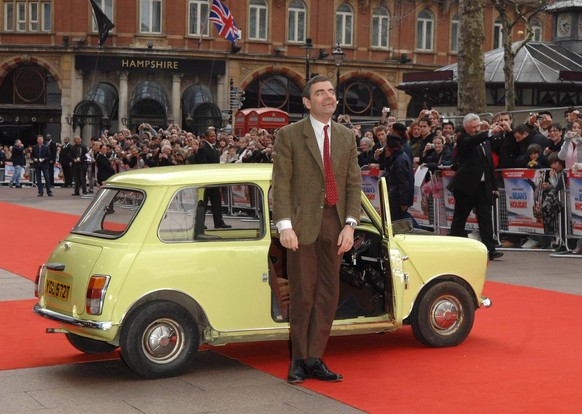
[(164, 62)]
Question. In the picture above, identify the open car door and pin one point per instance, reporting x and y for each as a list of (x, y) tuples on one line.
[(392, 255)]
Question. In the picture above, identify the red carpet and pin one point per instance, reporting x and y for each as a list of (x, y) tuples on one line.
[(30, 235), (523, 355), (26, 344)]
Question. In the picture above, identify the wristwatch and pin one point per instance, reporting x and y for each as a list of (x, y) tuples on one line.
[(352, 224)]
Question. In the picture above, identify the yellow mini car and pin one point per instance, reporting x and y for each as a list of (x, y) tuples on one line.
[(144, 269)]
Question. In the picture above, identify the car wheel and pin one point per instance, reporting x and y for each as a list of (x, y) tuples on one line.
[(159, 340), (443, 316), (89, 346)]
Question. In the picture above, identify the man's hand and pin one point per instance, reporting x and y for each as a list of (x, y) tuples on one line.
[(345, 240), (288, 239)]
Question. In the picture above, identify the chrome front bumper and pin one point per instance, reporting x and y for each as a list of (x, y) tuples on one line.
[(485, 302), (55, 316)]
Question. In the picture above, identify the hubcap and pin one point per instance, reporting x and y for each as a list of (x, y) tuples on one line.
[(163, 341), (446, 315)]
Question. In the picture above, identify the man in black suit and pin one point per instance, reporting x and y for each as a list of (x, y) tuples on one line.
[(41, 160), (207, 154), (65, 161), (474, 185)]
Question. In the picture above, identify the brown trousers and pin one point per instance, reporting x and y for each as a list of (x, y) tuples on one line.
[(313, 272)]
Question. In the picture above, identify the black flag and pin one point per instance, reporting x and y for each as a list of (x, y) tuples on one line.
[(103, 23)]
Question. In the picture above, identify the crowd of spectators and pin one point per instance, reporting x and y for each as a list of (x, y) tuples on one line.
[(429, 140)]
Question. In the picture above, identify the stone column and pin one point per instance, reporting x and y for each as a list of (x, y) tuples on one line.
[(176, 88), (221, 92), (123, 110)]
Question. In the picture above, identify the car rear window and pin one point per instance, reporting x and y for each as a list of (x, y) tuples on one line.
[(111, 213)]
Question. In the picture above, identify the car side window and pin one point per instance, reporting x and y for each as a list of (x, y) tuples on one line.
[(188, 217)]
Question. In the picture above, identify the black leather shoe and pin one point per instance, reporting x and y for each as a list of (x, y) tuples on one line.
[(320, 371), (495, 255), (223, 226), (296, 372)]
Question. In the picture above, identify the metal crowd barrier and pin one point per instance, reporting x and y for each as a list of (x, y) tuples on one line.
[(559, 231)]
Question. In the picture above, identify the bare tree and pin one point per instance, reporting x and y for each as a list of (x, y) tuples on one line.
[(470, 63), (511, 12)]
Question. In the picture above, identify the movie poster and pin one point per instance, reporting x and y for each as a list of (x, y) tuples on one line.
[(420, 207), (575, 180), (523, 198)]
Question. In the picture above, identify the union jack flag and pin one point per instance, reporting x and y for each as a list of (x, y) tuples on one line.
[(222, 19)]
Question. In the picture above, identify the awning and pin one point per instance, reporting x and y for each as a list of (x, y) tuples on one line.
[(149, 103), (98, 107)]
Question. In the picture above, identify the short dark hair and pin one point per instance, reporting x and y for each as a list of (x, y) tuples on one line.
[(307, 89), (522, 128)]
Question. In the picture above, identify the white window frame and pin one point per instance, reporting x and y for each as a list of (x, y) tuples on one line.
[(380, 28), (198, 14), (297, 21), (9, 17), (425, 31), (21, 16), (497, 34), (33, 17), (107, 6), (537, 31), (46, 16), (149, 6), (455, 26), (258, 20), (344, 19)]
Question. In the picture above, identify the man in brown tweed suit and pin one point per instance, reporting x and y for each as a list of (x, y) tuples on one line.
[(316, 222)]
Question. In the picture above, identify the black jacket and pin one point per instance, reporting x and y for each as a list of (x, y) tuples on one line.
[(474, 160)]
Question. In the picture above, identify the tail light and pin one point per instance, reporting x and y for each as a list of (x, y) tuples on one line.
[(96, 294), (39, 281)]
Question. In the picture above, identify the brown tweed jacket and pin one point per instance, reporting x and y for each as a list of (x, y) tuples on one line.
[(298, 179)]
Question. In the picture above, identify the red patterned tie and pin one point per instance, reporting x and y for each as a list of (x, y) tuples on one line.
[(330, 186)]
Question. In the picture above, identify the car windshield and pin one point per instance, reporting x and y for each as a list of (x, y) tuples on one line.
[(111, 213)]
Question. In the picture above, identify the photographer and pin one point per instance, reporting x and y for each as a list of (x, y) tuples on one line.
[(474, 185)]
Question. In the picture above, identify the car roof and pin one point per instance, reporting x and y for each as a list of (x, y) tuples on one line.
[(193, 174)]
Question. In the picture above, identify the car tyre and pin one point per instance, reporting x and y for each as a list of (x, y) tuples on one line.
[(89, 346), (443, 316), (159, 340)]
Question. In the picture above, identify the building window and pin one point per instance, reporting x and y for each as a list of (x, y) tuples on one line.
[(27, 16), (537, 31), (198, 18), (455, 34), (296, 21), (107, 7), (150, 16), (344, 25), (258, 12), (497, 34), (380, 27), (424, 30)]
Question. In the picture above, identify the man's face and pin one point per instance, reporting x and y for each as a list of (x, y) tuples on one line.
[(39, 141), (555, 135), (520, 136), (448, 129), (505, 118), (322, 101), (211, 137), (472, 127), (381, 134), (424, 128)]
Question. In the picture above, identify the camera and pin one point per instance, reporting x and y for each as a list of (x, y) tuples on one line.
[(386, 110)]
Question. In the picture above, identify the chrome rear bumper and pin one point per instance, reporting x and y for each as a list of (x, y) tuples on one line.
[(55, 316)]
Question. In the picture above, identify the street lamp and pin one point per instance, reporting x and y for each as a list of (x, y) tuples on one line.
[(307, 46), (338, 59)]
